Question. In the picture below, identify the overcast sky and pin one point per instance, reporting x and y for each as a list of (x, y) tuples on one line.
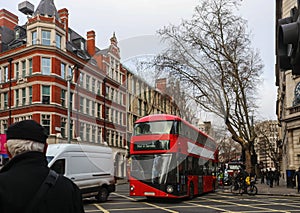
[(138, 18)]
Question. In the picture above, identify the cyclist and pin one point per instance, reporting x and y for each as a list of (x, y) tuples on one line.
[(241, 176)]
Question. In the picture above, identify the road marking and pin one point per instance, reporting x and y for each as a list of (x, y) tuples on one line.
[(271, 202), (244, 205), (205, 206), (124, 196), (149, 204), (159, 207), (101, 208), (97, 210)]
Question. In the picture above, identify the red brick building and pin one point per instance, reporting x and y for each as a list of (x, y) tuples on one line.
[(36, 61)]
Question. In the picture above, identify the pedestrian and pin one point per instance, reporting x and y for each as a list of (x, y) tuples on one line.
[(221, 178), (297, 176), (277, 176), (268, 176), (262, 177), (27, 185), (271, 177)]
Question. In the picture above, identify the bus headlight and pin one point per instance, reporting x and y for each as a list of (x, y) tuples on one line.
[(170, 189), (131, 188)]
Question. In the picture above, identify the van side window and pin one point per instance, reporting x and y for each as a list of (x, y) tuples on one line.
[(59, 166)]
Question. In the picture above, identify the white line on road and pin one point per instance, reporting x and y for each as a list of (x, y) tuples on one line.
[(101, 208), (149, 204)]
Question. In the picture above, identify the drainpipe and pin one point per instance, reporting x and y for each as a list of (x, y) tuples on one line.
[(10, 85)]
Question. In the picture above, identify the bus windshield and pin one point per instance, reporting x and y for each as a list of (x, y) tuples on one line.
[(151, 168), (156, 127)]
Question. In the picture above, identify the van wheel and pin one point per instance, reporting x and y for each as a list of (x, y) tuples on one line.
[(102, 195)]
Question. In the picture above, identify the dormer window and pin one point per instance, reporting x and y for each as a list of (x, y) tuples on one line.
[(82, 45), (17, 34), (46, 37)]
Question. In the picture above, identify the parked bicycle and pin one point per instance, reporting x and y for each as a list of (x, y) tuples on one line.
[(238, 187)]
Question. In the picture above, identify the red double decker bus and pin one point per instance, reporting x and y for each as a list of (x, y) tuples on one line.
[(170, 158)]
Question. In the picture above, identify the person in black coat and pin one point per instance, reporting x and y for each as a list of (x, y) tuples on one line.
[(297, 176), (23, 175)]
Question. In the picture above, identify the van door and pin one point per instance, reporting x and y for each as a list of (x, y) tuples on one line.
[(81, 170)]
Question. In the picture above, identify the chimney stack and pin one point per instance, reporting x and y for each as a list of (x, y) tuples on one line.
[(8, 19), (161, 85), (64, 17), (91, 47)]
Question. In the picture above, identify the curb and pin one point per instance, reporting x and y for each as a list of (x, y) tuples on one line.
[(226, 191)]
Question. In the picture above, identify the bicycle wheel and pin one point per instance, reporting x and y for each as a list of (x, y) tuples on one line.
[(252, 190)]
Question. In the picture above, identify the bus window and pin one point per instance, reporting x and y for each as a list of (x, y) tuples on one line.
[(137, 169), (156, 168), (157, 127), (190, 165), (159, 167), (196, 167), (208, 168)]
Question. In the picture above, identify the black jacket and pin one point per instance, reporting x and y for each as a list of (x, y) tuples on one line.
[(21, 178)]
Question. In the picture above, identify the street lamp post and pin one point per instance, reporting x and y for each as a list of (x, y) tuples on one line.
[(69, 79)]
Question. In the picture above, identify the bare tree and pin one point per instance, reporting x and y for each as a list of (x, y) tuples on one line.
[(228, 150), (185, 105), (212, 54)]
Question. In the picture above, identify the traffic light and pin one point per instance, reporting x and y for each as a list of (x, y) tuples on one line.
[(289, 42)]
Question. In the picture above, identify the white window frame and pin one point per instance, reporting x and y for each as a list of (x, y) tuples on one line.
[(58, 40), (46, 65), (46, 37), (34, 37)]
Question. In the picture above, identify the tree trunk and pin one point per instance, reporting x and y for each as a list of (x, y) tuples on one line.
[(248, 159)]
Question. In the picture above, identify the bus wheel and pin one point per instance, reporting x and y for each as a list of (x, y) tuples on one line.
[(191, 194), (102, 195)]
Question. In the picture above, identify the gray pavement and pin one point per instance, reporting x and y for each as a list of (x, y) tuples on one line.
[(264, 189)]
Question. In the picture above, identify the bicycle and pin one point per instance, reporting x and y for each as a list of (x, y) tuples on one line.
[(238, 187)]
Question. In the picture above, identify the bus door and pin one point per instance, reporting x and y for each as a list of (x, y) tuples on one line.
[(182, 178), (199, 170), (200, 184)]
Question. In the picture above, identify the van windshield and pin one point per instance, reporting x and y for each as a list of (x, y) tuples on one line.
[(49, 158)]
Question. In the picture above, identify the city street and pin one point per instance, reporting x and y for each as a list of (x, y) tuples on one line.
[(212, 202)]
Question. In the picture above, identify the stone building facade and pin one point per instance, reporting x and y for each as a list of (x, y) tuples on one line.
[(267, 145), (288, 101)]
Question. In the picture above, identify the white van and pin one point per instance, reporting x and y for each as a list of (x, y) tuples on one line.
[(91, 168)]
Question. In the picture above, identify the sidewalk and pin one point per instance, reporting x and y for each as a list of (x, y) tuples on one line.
[(264, 189)]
